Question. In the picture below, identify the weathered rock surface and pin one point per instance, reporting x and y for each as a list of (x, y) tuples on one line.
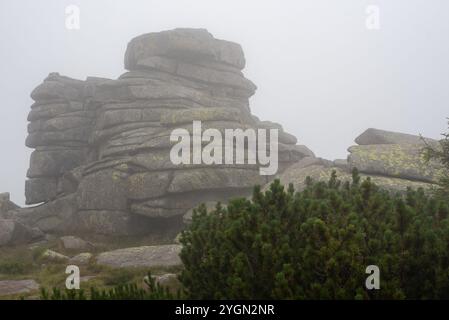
[(210, 206), (167, 280), (196, 45), (147, 256), (81, 259), (6, 205), (14, 233), (54, 256), (101, 162), (297, 176), (75, 243), (396, 160), (375, 136), (13, 287), (58, 216), (393, 161)]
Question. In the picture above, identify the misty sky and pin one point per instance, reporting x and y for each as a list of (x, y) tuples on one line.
[(320, 72)]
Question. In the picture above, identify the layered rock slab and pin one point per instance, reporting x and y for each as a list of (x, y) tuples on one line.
[(102, 147), (393, 161)]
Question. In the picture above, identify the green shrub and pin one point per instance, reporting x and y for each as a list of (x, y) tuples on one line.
[(130, 291), (14, 268), (440, 154), (118, 277), (316, 244)]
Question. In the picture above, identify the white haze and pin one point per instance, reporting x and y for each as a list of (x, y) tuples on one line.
[(319, 71)]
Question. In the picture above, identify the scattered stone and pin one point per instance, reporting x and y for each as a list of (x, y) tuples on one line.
[(147, 256), (167, 280), (81, 259), (54, 256), (75, 243), (13, 287)]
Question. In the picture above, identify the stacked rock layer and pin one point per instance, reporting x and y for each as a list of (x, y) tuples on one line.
[(102, 147), (392, 160)]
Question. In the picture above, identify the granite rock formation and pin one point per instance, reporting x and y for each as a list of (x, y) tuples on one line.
[(101, 147), (392, 160), (101, 161)]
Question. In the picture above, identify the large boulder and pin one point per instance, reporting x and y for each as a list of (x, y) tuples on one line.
[(196, 45), (405, 161), (51, 255), (394, 161), (15, 233), (38, 190), (376, 136), (75, 243), (13, 287), (58, 216), (147, 256), (81, 259)]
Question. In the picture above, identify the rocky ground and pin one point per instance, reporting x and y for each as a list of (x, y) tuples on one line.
[(25, 269)]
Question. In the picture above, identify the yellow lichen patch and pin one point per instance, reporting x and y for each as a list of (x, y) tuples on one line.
[(320, 173), (396, 160)]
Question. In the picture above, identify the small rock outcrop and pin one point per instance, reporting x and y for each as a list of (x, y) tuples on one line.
[(395, 155), (51, 255), (81, 259), (392, 160)]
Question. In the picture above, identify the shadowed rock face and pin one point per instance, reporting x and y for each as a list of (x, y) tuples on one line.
[(101, 160)]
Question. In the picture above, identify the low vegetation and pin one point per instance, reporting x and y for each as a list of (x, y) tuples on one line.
[(440, 154), (317, 244), (153, 291)]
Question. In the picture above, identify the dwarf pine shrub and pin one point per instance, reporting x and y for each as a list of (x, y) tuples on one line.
[(317, 244)]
